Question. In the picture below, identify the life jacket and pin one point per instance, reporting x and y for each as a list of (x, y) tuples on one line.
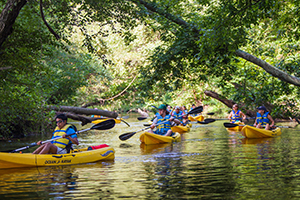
[(163, 127), (262, 119), (236, 116), (62, 142), (178, 116)]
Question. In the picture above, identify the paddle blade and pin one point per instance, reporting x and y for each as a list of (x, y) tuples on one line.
[(154, 107), (206, 121), (126, 136), (125, 122), (230, 125), (141, 118), (198, 109), (105, 125), (212, 113)]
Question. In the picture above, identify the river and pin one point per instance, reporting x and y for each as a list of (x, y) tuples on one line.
[(209, 163)]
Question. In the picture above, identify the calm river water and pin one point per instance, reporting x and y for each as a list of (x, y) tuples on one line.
[(209, 163)]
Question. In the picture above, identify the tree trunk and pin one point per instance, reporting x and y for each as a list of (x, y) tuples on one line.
[(8, 17), (85, 111), (227, 102)]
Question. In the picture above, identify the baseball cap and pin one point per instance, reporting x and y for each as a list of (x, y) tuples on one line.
[(162, 107), (261, 108)]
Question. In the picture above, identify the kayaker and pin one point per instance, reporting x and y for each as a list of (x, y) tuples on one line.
[(263, 118), (236, 115), (178, 114), (59, 146), (164, 120), (185, 117), (169, 108)]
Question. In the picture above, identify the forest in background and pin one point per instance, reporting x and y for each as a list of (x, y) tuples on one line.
[(123, 55)]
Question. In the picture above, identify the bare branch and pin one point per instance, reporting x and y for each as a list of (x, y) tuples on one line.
[(48, 26)]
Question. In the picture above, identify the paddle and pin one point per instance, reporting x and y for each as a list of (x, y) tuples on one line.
[(154, 107), (124, 122), (126, 136), (231, 125), (141, 118), (105, 125), (121, 119), (206, 121), (211, 113)]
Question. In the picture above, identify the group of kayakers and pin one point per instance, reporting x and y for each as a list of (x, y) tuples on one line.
[(164, 120), (168, 117), (263, 117)]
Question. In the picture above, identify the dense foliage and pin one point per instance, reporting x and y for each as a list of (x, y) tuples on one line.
[(160, 51)]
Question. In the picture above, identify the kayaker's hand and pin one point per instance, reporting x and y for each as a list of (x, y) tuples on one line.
[(65, 136), (152, 126), (39, 143)]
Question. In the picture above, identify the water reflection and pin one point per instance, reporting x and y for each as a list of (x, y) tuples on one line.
[(209, 163)]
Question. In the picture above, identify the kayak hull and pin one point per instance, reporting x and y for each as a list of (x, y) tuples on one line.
[(237, 128), (181, 129), (199, 118), (80, 156), (151, 138), (253, 132)]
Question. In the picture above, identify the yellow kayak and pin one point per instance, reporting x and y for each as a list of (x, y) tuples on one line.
[(77, 156), (237, 128), (199, 118), (151, 138), (181, 129), (102, 120), (253, 132)]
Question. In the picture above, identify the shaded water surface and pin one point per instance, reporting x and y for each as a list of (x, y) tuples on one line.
[(209, 163)]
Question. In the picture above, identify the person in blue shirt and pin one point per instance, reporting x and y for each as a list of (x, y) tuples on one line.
[(236, 115), (163, 122), (178, 114), (263, 118), (59, 146)]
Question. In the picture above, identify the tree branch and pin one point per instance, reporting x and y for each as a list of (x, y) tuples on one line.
[(48, 26), (269, 68), (101, 101), (263, 64)]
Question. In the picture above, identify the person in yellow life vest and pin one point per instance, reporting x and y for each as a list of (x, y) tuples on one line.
[(163, 122), (59, 146), (263, 118), (236, 115)]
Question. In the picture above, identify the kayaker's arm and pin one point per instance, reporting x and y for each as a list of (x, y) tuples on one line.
[(255, 122), (229, 116), (271, 120), (175, 120), (73, 140), (243, 115)]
